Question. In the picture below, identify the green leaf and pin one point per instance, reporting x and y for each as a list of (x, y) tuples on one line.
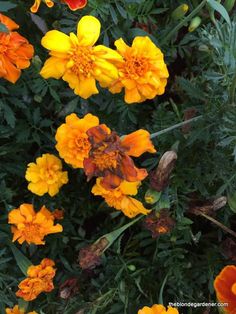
[(220, 9), (22, 261), (6, 6)]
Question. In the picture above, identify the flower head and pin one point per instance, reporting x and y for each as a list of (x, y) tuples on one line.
[(15, 51), (78, 61), (39, 280), (159, 223), (17, 310), (73, 4), (30, 226), (120, 199), (158, 309), (143, 73), (225, 287), (109, 156), (72, 140), (46, 175)]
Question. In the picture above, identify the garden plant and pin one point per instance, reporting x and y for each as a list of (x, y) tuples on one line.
[(117, 157)]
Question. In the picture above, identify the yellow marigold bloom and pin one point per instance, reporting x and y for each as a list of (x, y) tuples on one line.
[(158, 309), (40, 279), (30, 226), (46, 175), (120, 199), (72, 140), (17, 310), (73, 4), (78, 61), (143, 73)]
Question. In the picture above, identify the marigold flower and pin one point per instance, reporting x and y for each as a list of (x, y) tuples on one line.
[(78, 61), (46, 175), (158, 309), (159, 223), (40, 279), (15, 51), (120, 199), (143, 73), (225, 287), (73, 4), (17, 310), (72, 140), (30, 226), (109, 156)]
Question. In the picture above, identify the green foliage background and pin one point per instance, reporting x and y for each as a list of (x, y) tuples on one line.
[(137, 267)]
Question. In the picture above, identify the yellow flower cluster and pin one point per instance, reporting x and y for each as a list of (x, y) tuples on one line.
[(158, 309), (17, 310), (140, 69)]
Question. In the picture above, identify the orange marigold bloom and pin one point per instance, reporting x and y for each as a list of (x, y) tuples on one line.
[(73, 4), (46, 175), (30, 226), (225, 287), (143, 73), (17, 310), (15, 51), (109, 156), (120, 199), (72, 140), (40, 279), (158, 309)]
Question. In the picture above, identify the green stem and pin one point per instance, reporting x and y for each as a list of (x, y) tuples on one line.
[(175, 126), (232, 90), (185, 20)]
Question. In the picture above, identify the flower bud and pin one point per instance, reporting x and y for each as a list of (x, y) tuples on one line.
[(196, 21), (152, 196), (180, 12), (131, 267)]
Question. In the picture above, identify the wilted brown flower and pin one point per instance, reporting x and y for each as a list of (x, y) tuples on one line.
[(159, 178), (69, 288), (159, 223), (90, 256)]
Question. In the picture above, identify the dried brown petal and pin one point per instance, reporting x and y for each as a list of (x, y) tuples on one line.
[(188, 114), (69, 288), (159, 179), (159, 223)]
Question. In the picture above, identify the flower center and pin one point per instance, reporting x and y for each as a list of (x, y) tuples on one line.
[(103, 159), (50, 174), (82, 61), (31, 231), (233, 288), (136, 66)]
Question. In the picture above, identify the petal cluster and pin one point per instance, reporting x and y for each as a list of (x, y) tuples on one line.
[(77, 61), (31, 227), (73, 4), (46, 175), (40, 279), (72, 140), (15, 51), (158, 309), (142, 73), (109, 156), (120, 199), (225, 287), (17, 310)]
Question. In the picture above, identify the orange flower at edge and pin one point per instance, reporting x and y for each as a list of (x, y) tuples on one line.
[(158, 309), (40, 279), (225, 287), (73, 4), (109, 156), (17, 310), (30, 226), (120, 199), (72, 140), (15, 51)]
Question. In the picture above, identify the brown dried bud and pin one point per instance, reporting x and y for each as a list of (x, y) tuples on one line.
[(209, 207), (69, 288), (90, 256), (188, 114), (219, 202), (159, 178), (229, 249), (159, 223)]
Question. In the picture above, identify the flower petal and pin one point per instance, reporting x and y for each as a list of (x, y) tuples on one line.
[(76, 4), (88, 30), (53, 67), (56, 41)]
